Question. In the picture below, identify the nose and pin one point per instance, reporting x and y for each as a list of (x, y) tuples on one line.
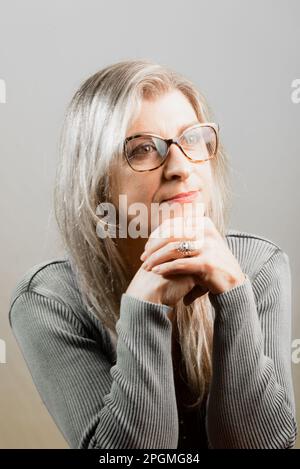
[(177, 165)]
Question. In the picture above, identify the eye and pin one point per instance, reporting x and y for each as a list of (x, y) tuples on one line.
[(146, 148), (191, 137)]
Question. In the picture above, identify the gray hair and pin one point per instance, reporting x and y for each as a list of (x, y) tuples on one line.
[(92, 137)]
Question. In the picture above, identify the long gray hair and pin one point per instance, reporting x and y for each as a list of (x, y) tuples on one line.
[(92, 139)]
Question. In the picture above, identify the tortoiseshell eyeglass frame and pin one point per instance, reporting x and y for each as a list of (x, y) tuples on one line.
[(169, 141)]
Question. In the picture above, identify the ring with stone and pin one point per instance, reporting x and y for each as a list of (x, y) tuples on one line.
[(186, 248)]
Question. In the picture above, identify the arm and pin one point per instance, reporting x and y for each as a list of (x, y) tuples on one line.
[(96, 405), (251, 401)]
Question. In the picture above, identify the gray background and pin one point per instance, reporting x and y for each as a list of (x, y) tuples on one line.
[(243, 55)]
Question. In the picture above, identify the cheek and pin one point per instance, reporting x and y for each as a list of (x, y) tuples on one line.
[(125, 184), (141, 192), (138, 190), (141, 189), (207, 182), (207, 173)]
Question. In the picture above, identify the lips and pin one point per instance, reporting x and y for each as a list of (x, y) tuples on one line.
[(182, 196)]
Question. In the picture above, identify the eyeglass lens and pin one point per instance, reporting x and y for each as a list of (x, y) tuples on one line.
[(147, 152)]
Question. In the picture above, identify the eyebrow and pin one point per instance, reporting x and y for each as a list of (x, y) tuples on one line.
[(180, 130)]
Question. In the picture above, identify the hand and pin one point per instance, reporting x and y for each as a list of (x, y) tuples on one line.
[(160, 289), (214, 266)]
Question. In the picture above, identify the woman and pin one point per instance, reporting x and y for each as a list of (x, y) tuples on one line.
[(195, 354)]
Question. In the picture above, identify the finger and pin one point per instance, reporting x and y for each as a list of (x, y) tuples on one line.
[(170, 252), (193, 265), (162, 227), (169, 244), (175, 229), (170, 228)]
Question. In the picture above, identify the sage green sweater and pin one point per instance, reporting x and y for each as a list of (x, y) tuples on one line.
[(109, 394)]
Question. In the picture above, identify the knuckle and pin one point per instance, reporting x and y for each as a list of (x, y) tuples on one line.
[(174, 246), (208, 268), (192, 282), (179, 265)]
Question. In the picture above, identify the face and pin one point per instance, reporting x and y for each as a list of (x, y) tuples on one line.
[(167, 116)]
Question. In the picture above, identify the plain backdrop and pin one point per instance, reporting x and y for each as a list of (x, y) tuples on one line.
[(243, 55)]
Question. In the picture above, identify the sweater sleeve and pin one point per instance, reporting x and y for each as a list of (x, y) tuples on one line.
[(96, 405), (251, 399)]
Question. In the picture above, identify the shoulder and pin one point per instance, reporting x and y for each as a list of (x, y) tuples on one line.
[(48, 278), (254, 251), (54, 279)]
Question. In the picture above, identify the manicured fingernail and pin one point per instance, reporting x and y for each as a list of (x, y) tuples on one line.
[(143, 256), (157, 268), (146, 266)]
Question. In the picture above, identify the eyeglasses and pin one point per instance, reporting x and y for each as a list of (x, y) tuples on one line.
[(146, 152)]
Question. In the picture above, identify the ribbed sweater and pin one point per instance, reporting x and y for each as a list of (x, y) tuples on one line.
[(110, 394)]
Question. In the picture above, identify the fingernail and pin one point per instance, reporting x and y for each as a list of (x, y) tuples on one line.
[(143, 256), (157, 268)]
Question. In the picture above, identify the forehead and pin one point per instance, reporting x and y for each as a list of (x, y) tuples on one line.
[(167, 115)]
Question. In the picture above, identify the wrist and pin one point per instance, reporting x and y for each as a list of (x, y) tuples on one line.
[(230, 284), (150, 298)]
